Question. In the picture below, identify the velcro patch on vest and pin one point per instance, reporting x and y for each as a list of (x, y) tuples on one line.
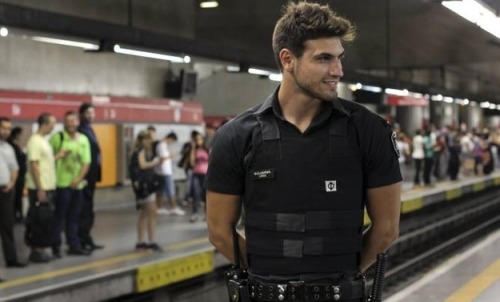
[(331, 185), (263, 174)]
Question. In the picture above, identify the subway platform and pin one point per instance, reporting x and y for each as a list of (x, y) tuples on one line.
[(118, 270)]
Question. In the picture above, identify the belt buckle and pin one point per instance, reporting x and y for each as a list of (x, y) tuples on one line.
[(295, 291)]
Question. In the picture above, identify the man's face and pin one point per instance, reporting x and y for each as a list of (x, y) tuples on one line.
[(318, 71), (71, 123), (89, 115), (51, 124), (5, 128)]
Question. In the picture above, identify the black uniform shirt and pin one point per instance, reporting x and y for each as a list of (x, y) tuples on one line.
[(226, 172)]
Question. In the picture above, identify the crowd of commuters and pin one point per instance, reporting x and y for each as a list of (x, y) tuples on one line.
[(448, 153), (60, 174), (151, 168)]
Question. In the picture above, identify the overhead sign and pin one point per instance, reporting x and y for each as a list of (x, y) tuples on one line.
[(396, 100)]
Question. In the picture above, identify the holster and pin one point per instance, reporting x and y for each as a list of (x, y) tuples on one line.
[(237, 285)]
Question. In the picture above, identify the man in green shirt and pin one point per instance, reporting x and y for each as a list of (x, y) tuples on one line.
[(71, 169)]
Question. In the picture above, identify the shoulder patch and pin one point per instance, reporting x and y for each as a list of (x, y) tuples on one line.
[(395, 144)]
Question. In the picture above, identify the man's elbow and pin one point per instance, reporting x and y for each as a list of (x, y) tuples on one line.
[(390, 236), (217, 237)]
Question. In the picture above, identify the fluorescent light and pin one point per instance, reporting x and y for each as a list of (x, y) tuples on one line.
[(64, 42), (476, 12), (493, 106), (209, 4), (448, 99), (371, 88), (396, 91), (484, 105), (465, 102), (278, 77), (437, 97), (233, 68), (4, 32), (258, 71), (151, 55), (498, 107)]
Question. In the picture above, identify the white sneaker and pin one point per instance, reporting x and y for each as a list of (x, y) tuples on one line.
[(178, 212), (162, 211)]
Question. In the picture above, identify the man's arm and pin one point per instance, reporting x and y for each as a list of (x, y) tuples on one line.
[(383, 207), (223, 212), (35, 173), (12, 182)]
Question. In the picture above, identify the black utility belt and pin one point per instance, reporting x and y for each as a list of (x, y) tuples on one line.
[(301, 291)]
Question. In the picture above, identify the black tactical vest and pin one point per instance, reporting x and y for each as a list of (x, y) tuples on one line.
[(304, 199)]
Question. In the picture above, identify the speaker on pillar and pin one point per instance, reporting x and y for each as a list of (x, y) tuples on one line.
[(182, 86)]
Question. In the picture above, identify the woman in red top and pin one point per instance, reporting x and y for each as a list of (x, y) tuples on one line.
[(199, 162)]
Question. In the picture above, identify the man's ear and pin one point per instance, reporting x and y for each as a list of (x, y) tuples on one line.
[(287, 59)]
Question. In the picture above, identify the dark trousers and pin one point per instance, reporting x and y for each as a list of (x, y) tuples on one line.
[(7, 225), (18, 198), (68, 203), (418, 170), (428, 163), (87, 214), (198, 190)]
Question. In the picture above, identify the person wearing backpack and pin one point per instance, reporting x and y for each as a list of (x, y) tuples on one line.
[(145, 183), (71, 170)]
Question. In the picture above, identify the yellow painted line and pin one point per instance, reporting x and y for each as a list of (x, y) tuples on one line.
[(163, 273), (496, 181), (477, 285), (453, 193), (96, 264), (478, 186), (412, 205)]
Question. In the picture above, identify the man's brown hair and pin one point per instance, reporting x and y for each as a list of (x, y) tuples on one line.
[(306, 21)]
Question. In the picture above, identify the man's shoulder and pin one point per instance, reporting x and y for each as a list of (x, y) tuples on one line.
[(363, 118), (242, 124)]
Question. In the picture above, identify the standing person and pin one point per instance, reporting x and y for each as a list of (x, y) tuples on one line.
[(145, 185), (429, 157), (185, 164), (304, 164), (9, 170), (41, 177), (87, 116), (14, 141), (164, 169), (454, 158), (418, 156), (199, 161), (71, 168)]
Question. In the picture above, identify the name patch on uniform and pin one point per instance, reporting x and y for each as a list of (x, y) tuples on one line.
[(331, 185), (263, 174)]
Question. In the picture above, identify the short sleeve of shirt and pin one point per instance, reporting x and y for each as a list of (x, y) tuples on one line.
[(55, 141), (34, 151), (13, 165), (381, 164), (85, 150), (162, 149), (225, 168)]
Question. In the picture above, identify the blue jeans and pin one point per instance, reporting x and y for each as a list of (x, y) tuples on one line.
[(68, 204), (198, 190)]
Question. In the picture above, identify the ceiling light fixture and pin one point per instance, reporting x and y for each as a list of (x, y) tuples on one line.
[(151, 55), (258, 71), (476, 12), (65, 42), (4, 32), (277, 77), (209, 4)]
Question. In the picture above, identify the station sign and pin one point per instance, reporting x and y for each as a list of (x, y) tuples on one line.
[(397, 100)]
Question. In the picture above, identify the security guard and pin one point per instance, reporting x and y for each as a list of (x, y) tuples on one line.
[(304, 164)]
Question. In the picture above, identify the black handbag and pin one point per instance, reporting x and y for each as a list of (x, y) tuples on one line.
[(40, 224)]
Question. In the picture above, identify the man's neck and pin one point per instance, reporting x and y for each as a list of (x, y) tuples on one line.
[(298, 108)]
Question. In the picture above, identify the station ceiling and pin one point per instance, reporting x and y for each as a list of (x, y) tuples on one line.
[(398, 40)]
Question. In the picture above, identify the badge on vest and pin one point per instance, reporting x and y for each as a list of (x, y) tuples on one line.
[(263, 174), (331, 185)]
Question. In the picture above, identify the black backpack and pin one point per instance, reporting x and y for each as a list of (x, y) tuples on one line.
[(40, 224), (144, 181)]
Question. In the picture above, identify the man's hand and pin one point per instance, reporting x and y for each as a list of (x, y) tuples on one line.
[(41, 195), (62, 154), (75, 183), (8, 187)]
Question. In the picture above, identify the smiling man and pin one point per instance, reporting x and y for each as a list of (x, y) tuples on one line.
[(304, 165)]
